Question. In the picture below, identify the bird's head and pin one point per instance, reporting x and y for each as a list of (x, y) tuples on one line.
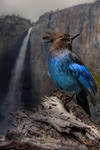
[(60, 40)]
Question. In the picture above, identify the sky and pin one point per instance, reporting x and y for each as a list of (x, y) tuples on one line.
[(32, 9)]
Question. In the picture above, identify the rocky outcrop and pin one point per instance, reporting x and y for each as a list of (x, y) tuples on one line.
[(83, 19)]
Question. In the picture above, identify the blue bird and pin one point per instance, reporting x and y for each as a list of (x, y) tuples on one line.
[(67, 70)]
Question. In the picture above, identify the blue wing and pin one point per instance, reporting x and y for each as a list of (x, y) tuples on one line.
[(83, 77)]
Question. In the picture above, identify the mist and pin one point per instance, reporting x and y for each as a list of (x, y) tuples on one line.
[(32, 9)]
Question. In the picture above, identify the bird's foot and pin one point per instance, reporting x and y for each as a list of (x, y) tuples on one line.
[(58, 94), (64, 96), (70, 98)]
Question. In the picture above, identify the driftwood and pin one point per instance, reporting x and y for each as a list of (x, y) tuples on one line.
[(51, 128)]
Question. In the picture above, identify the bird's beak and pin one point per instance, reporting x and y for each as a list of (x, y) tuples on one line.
[(75, 36)]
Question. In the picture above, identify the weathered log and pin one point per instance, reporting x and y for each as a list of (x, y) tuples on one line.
[(52, 128)]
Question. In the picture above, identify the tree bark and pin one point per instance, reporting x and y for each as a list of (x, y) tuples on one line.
[(51, 128)]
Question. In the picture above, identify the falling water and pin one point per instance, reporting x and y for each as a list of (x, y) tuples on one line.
[(13, 97)]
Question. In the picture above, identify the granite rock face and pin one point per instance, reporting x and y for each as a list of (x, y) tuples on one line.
[(83, 19)]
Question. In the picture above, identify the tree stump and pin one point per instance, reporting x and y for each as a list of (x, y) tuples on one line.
[(52, 128)]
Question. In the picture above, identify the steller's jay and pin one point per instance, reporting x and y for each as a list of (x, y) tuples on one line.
[(67, 70)]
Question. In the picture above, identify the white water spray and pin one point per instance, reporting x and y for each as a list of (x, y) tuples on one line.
[(13, 97)]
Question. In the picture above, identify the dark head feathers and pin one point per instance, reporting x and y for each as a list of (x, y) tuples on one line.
[(59, 40), (51, 37)]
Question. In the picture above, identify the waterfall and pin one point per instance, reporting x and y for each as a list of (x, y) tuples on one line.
[(13, 97)]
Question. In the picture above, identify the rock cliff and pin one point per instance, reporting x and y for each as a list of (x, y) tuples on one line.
[(83, 19)]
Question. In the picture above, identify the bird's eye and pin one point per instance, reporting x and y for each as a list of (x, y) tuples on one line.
[(68, 38), (64, 37)]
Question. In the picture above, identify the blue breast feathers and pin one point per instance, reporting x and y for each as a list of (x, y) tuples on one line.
[(70, 75), (59, 71)]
